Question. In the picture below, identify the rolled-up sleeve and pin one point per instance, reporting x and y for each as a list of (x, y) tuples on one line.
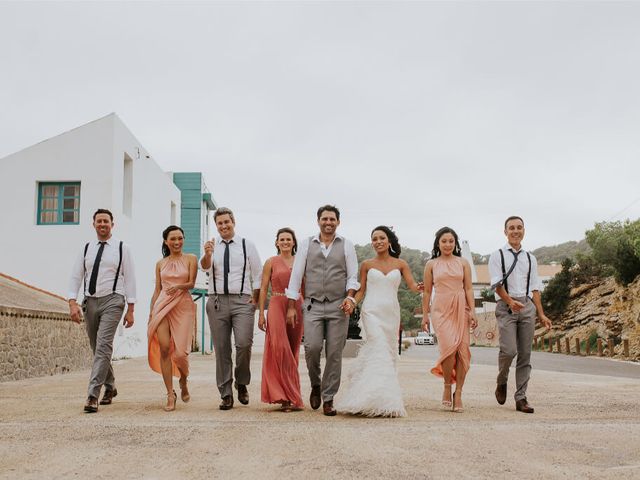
[(77, 276), (495, 269), (129, 274), (351, 259), (536, 284), (299, 264), (255, 264)]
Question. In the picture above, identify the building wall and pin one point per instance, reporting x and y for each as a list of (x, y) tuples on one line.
[(93, 154), (35, 344)]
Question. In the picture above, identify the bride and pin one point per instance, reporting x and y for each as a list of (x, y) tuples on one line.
[(372, 387)]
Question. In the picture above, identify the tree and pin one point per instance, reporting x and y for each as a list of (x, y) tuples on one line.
[(617, 245), (555, 296)]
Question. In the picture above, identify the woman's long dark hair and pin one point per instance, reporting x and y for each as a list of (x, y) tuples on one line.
[(457, 251), (293, 234), (394, 244), (165, 234)]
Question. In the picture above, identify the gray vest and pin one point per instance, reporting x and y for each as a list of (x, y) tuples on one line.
[(325, 278)]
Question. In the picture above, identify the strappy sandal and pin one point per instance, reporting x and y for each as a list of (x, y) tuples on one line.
[(184, 391), (446, 404), (171, 402), (457, 409)]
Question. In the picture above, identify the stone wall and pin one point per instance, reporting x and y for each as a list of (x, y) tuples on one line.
[(35, 343)]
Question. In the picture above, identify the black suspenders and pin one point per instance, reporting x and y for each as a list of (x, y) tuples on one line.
[(505, 275), (244, 270), (115, 282)]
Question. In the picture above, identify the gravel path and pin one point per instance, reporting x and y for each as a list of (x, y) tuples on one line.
[(585, 426)]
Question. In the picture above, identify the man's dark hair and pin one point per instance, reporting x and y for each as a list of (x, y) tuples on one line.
[(103, 210), (329, 208), (223, 211), (513, 217)]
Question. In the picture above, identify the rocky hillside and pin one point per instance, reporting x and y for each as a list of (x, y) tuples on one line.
[(610, 309)]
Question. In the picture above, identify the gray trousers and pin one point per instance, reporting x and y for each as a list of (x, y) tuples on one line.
[(324, 321), (102, 317), (516, 334), (231, 313)]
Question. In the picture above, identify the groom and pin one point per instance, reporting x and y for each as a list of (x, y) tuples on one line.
[(329, 266)]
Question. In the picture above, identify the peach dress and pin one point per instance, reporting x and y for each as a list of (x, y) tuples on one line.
[(280, 377), (180, 311), (450, 314)]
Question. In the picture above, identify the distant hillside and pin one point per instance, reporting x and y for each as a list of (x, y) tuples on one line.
[(547, 255)]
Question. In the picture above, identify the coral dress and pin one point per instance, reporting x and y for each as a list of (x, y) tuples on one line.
[(450, 314), (280, 377), (180, 311)]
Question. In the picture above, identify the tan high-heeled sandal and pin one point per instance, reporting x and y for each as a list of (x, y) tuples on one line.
[(457, 409), (184, 391), (171, 402), (446, 404)]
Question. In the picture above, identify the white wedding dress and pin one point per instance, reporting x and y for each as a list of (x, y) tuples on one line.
[(371, 387)]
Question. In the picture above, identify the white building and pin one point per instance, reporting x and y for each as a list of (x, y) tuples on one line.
[(49, 192)]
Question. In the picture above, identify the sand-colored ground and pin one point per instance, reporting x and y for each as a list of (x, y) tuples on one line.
[(585, 426)]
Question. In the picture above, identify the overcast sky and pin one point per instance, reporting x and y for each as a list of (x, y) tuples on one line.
[(415, 115)]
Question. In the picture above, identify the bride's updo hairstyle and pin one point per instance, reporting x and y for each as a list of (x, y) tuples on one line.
[(457, 251), (394, 244)]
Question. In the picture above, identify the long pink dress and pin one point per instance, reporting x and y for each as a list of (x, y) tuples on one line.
[(450, 314), (180, 311), (280, 378)]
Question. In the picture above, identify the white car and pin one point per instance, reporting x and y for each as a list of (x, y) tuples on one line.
[(424, 338)]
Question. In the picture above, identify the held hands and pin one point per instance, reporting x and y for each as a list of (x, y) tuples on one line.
[(420, 286), (347, 306)]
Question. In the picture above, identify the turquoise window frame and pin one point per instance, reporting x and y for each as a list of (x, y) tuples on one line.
[(61, 197)]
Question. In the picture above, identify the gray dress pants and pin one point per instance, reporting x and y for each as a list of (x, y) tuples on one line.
[(324, 325), (516, 335), (231, 313), (102, 316)]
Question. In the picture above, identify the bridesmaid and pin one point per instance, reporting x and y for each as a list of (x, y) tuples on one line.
[(172, 315), (452, 312), (280, 378)]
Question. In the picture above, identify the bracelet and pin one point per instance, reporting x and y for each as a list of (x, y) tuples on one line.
[(352, 300)]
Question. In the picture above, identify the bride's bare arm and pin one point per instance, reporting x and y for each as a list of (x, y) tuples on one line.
[(364, 268), (408, 276)]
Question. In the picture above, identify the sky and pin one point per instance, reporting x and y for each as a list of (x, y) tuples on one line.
[(410, 114)]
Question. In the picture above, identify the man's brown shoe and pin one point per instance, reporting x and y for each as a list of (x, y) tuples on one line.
[(523, 406), (243, 395), (314, 398), (107, 398), (327, 408), (501, 393), (227, 403), (92, 405)]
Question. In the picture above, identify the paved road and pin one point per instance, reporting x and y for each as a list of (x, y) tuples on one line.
[(585, 426), (552, 362)]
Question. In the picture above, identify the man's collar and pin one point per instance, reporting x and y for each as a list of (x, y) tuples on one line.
[(231, 240), (508, 246), (316, 238)]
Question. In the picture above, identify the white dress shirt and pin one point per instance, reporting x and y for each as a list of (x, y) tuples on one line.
[(253, 274), (517, 280), (83, 267), (300, 263)]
